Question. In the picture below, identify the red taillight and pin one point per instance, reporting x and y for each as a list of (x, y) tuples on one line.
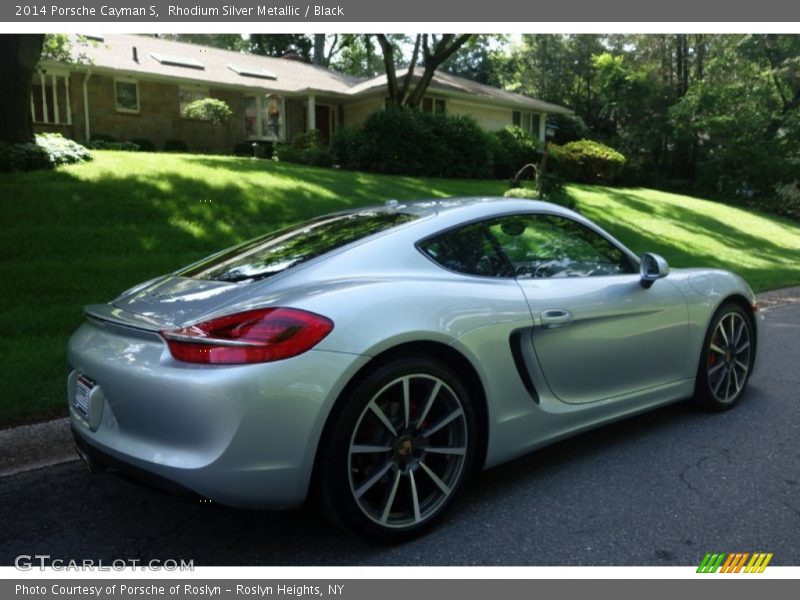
[(253, 336)]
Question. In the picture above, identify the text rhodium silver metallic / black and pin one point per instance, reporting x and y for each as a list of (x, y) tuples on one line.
[(387, 353)]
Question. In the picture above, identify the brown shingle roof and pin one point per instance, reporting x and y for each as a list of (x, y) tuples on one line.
[(158, 56), (451, 83), (115, 53)]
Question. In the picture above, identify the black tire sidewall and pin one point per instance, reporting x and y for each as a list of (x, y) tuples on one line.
[(333, 476)]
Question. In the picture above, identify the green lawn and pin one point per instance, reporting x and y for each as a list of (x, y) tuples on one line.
[(84, 233)]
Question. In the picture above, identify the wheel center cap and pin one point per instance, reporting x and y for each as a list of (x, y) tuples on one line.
[(405, 447)]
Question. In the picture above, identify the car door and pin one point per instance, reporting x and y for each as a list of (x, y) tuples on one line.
[(598, 333)]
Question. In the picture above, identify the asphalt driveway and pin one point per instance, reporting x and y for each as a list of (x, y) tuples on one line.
[(660, 489)]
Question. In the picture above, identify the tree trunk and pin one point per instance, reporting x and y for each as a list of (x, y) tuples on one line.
[(319, 49), (20, 54), (444, 49), (388, 65)]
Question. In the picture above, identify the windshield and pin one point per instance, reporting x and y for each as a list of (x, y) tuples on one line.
[(275, 252)]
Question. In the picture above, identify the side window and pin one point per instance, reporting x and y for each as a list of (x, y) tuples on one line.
[(541, 246), (469, 249)]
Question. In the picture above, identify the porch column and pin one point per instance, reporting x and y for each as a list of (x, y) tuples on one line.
[(69, 105), (542, 126), (45, 112), (311, 119)]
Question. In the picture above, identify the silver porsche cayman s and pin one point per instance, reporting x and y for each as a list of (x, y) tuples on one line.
[(384, 354)]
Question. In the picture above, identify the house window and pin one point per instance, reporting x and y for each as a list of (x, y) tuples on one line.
[(126, 95), (187, 95), (50, 103), (433, 105), (535, 117), (527, 121), (263, 117)]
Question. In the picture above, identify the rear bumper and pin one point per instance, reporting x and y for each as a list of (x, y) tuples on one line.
[(240, 435)]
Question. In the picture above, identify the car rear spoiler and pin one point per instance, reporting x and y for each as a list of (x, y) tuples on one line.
[(111, 314)]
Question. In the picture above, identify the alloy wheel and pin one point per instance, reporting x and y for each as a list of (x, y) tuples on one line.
[(408, 450), (729, 357)]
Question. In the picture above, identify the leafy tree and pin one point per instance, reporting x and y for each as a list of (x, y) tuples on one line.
[(479, 59), (276, 44), (226, 41)]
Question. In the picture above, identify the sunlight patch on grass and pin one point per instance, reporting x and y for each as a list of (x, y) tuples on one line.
[(84, 233)]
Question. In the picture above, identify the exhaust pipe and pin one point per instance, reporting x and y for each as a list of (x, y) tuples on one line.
[(91, 464)]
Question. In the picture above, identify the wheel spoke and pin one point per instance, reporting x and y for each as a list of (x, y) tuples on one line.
[(387, 508), (443, 422), (733, 326), (364, 449), (435, 478), (382, 417), (414, 496), (721, 329), (741, 365), (728, 385), (736, 384), (429, 403), (716, 368), (717, 349), (738, 335), (454, 451), (718, 385), (366, 486), (407, 400), (743, 347)]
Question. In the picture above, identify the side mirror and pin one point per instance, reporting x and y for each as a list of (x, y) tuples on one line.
[(652, 267)]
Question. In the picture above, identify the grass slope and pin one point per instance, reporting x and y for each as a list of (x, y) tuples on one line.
[(85, 233)]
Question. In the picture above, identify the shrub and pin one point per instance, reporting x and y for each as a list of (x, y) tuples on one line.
[(308, 148), (96, 144), (555, 195), (61, 150), (512, 148), (145, 145), (346, 147), (50, 150), (102, 137), (522, 192), (209, 109), (411, 142), (23, 157), (176, 146), (569, 128), (586, 161), (789, 196)]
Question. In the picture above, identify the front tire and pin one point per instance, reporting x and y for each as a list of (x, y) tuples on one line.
[(398, 451), (727, 358)]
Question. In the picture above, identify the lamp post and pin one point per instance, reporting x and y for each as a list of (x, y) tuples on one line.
[(549, 134)]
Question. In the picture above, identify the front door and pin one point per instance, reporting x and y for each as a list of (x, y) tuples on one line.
[(322, 117), (598, 333)]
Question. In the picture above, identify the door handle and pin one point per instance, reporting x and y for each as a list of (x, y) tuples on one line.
[(556, 317)]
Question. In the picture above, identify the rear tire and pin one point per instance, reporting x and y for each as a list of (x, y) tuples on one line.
[(727, 358), (397, 452)]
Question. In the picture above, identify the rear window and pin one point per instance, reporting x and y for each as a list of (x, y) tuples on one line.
[(275, 252)]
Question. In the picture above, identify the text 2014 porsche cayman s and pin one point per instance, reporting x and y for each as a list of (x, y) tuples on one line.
[(384, 354)]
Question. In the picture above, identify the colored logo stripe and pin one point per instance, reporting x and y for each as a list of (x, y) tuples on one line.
[(734, 562)]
